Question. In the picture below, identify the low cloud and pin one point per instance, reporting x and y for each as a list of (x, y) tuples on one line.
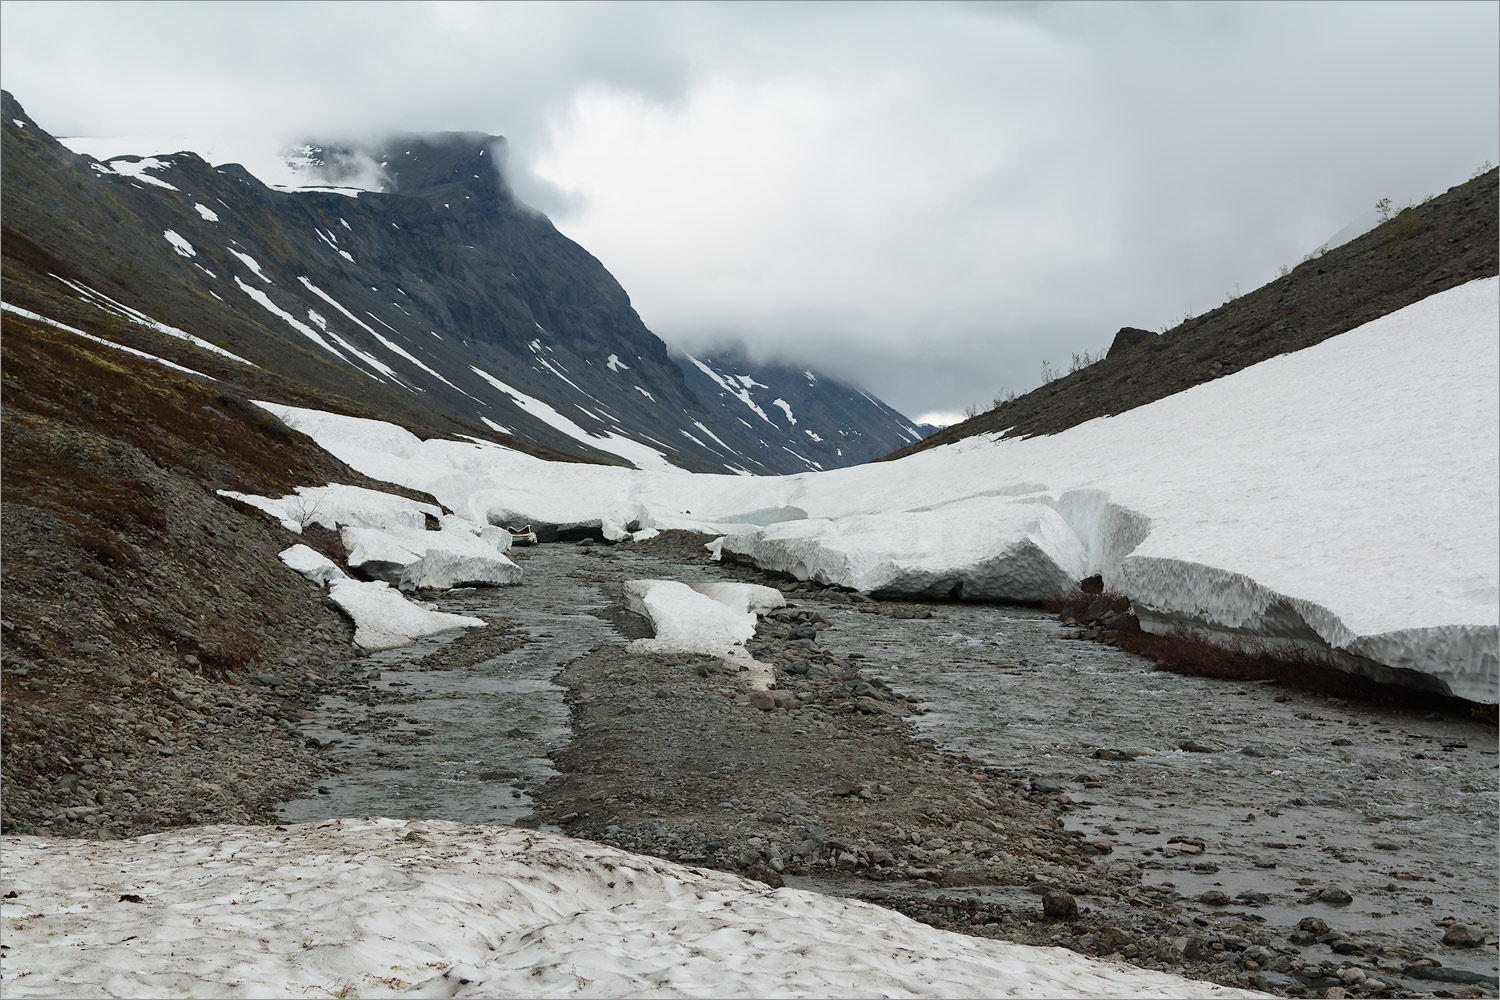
[(928, 199)]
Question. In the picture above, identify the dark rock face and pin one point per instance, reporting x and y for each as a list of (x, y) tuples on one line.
[(796, 419), (1444, 243), (439, 301), (1128, 337)]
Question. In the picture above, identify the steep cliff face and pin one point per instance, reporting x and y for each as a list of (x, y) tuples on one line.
[(438, 300)]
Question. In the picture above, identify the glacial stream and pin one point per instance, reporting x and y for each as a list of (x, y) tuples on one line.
[(1282, 794)]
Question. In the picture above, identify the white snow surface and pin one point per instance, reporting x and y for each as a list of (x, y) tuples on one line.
[(459, 554), (336, 505), (1340, 500), (385, 907), (136, 170), (181, 245), (640, 455), (383, 619), (312, 564), (270, 163), (206, 212), (749, 598), (686, 619)]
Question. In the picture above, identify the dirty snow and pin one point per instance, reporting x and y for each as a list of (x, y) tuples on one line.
[(386, 907)]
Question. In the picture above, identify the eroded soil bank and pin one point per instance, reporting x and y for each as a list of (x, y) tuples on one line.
[(968, 765)]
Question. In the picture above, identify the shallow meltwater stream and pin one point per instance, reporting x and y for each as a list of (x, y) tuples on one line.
[(1253, 791), (465, 744), (1261, 793)]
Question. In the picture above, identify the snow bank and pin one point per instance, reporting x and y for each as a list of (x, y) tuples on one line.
[(383, 619), (459, 554), (312, 564), (749, 598), (1339, 501), (336, 505), (387, 907), (684, 619)]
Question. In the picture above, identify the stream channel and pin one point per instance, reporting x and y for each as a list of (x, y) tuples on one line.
[(1286, 793)]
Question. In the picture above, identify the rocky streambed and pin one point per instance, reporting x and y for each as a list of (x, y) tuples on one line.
[(972, 766)]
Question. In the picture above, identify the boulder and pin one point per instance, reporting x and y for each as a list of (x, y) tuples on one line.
[(1129, 336)]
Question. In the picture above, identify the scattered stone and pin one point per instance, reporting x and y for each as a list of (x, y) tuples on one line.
[(1059, 905), (1461, 936)]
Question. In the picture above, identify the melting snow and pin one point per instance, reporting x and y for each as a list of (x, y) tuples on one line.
[(643, 392), (252, 264), (1345, 492), (136, 316), (640, 455), (615, 364), (38, 318), (387, 907), (785, 408), (742, 394), (136, 169), (182, 246), (207, 212)]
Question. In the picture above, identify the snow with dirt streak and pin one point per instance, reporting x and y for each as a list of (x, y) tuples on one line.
[(1340, 500), (384, 907)]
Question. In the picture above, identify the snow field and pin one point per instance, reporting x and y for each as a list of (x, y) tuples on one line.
[(706, 619), (1340, 501), (435, 909)]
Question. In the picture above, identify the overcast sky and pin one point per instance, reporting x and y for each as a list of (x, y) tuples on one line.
[(930, 199)]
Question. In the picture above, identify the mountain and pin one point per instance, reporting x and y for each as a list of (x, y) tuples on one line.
[(399, 279), (1426, 249), (798, 419)]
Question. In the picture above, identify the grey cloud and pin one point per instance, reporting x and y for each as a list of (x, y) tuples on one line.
[(929, 199)]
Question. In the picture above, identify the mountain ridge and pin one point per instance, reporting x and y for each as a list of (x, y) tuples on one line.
[(442, 302)]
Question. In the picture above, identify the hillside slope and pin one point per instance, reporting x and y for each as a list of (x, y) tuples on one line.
[(437, 300), (800, 419), (1444, 243)]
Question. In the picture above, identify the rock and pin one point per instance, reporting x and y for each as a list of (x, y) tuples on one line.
[(1128, 337), (1313, 926), (1460, 936), (1059, 905), (784, 699), (1201, 746), (1443, 975), (1334, 896), (763, 700), (1214, 897), (1252, 898), (1193, 947), (1106, 754)]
